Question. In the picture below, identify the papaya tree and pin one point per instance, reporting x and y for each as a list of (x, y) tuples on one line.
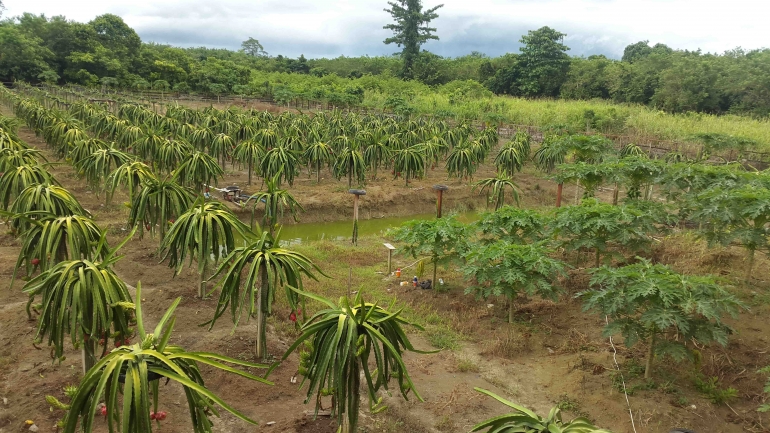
[(557, 150), (208, 229), (636, 173), (252, 274), (132, 372), (682, 180), (198, 170), (158, 203), (441, 241), (522, 419), (660, 307), (602, 227), (343, 339), (495, 187), (588, 176), (512, 224), (738, 215), (511, 270), (85, 300)]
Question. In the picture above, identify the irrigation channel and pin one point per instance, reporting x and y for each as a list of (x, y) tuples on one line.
[(296, 234)]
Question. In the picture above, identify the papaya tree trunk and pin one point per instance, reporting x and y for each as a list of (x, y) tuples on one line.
[(559, 189), (510, 311), (749, 263), (615, 195), (650, 356), (597, 259), (435, 266), (262, 300), (577, 192)]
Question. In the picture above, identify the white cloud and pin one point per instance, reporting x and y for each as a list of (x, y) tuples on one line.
[(354, 27)]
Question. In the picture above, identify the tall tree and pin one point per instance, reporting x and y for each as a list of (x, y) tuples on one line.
[(410, 29), (252, 47), (544, 62), (120, 40), (637, 51)]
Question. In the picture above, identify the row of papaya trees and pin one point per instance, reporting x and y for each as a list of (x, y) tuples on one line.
[(69, 266), (512, 252), (727, 200)]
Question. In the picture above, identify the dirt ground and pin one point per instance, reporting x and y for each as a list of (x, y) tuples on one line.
[(553, 354)]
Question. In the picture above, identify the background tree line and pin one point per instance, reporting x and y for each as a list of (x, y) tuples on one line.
[(107, 52)]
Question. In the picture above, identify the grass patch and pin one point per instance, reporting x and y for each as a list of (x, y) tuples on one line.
[(571, 405), (466, 365), (442, 338)]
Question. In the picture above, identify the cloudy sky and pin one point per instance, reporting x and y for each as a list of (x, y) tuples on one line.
[(331, 28)]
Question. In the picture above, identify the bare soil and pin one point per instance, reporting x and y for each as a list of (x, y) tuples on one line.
[(554, 353)]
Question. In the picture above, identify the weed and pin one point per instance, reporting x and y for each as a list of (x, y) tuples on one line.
[(446, 423), (466, 365), (631, 389), (711, 389), (680, 401), (566, 403), (635, 369), (433, 319), (442, 338), (758, 299)]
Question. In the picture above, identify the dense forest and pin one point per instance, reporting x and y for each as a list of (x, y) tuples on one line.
[(106, 52)]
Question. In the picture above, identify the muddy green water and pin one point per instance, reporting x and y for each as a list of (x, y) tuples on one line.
[(342, 230)]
